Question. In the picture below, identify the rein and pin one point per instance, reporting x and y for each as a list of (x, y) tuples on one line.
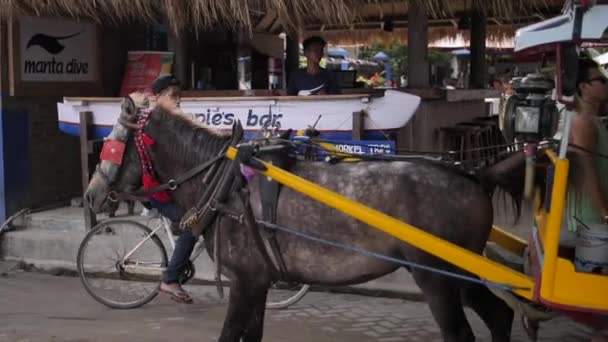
[(172, 184)]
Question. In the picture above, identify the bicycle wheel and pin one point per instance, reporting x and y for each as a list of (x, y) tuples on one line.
[(281, 295), (110, 275)]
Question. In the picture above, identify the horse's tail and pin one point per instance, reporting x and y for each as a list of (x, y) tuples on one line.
[(508, 176)]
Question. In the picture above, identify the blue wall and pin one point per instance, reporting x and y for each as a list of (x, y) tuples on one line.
[(15, 165)]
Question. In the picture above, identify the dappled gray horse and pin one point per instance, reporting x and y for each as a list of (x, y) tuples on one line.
[(438, 199)]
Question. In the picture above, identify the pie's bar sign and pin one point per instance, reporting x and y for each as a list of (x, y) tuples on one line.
[(57, 50)]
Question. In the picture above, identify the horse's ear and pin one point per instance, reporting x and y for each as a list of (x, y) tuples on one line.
[(237, 129), (237, 125), (128, 109)]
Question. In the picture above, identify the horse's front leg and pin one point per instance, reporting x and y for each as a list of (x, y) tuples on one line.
[(245, 316), (255, 328)]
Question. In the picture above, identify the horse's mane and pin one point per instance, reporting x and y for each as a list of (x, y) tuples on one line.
[(184, 118), (508, 175), (190, 140)]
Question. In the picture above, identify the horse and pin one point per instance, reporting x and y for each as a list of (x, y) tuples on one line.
[(439, 199)]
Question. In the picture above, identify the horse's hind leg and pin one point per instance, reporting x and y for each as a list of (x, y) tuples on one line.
[(495, 313), (245, 297), (443, 297)]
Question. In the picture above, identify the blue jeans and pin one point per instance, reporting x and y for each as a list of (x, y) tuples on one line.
[(183, 246)]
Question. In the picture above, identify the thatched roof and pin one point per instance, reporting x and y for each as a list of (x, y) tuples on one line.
[(184, 14), (496, 36), (249, 14)]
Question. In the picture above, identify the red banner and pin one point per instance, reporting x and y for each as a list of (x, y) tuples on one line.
[(143, 67)]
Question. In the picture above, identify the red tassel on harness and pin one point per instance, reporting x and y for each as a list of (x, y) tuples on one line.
[(147, 140), (149, 183)]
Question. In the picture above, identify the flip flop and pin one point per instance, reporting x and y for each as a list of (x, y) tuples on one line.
[(179, 296)]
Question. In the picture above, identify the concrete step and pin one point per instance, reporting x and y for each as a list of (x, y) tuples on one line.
[(42, 247), (72, 218), (52, 239), (49, 250)]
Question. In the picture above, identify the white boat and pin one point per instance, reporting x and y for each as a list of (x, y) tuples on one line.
[(383, 115)]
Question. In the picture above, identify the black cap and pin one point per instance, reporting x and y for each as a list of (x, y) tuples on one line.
[(163, 82)]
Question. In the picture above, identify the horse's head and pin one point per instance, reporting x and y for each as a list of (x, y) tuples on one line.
[(119, 169)]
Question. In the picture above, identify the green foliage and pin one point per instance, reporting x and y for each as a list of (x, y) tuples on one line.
[(439, 57), (398, 54)]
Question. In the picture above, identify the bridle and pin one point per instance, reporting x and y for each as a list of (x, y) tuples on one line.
[(113, 152)]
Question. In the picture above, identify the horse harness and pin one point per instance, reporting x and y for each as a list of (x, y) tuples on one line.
[(223, 177)]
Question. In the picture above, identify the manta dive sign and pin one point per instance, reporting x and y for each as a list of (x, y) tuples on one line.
[(53, 53)]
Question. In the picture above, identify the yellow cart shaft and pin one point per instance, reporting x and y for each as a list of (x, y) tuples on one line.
[(445, 250)]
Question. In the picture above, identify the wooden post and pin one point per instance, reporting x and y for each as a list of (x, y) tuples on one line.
[(417, 49), (181, 67), (358, 125), (292, 60), (90, 219), (478, 49)]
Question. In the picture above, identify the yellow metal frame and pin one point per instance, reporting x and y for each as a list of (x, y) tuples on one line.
[(560, 284), (508, 241), (463, 258)]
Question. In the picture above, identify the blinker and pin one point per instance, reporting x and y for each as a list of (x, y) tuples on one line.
[(113, 151)]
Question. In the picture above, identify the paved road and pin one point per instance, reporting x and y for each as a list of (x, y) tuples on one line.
[(38, 307)]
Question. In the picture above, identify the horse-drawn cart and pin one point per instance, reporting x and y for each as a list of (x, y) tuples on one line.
[(553, 280), (451, 208)]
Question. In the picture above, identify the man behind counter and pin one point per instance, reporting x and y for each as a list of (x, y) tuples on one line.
[(313, 80)]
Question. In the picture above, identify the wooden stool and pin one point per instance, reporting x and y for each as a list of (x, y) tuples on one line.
[(498, 139), (456, 139), (491, 144), (476, 153)]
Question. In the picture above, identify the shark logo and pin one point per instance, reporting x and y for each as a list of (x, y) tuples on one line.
[(49, 43)]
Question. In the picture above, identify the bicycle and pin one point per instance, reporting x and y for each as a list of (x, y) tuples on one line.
[(130, 275)]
